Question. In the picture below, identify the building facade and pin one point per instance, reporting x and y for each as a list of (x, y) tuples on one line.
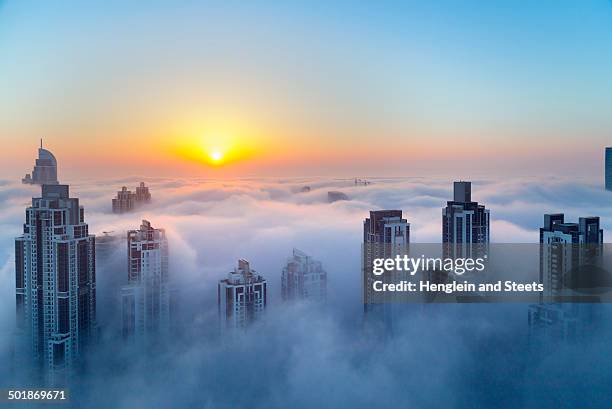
[(465, 224), (567, 252), (142, 194), (386, 226), (145, 300), (55, 282), (242, 297), (556, 230), (608, 168), (567, 246), (127, 200), (385, 234), (303, 279)]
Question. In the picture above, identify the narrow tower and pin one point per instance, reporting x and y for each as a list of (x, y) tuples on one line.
[(45, 169), (146, 297), (465, 223), (55, 282)]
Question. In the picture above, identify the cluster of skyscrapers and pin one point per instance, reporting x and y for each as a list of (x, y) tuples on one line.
[(126, 200), (55, 279), (55, 263), (564, 249), (55, 276), (243, 296)]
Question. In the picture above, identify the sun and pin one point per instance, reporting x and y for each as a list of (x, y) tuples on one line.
[(216, 156)]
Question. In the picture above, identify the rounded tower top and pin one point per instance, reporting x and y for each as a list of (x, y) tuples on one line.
[(46, 155)]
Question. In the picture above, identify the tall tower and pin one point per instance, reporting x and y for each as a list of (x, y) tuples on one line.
[(142, 194), (386, 226), (566, 247), (556, 230), (608, 168), (125, 201), (55, 281), (464, 223), (385, 234), (242, 297), (45, 169), (567, 252), (145, 300), (303, 278)]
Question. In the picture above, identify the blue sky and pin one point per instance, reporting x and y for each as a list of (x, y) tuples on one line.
[(529, 79)]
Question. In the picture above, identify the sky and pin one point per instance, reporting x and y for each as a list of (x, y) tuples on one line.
[(227, 109), (306, 88)]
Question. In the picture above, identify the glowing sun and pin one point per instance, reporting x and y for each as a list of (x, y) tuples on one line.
[(216, 156)]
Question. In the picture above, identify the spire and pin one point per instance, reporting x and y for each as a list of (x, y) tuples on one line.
[(40, 143)]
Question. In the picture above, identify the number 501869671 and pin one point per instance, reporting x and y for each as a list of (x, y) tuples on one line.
[(35, 394)]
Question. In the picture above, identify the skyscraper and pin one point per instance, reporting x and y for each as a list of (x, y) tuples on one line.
[(111, 259), (303, 278), (386, 226), (55, 281), (464, 223), (385, 234), (567, 251), (608, 168), (142, 194), (567, 246), (555, 230), (242, 297), (127, 200), (45, 169), (146, 298)]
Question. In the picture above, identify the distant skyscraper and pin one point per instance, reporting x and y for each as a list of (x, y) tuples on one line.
[(386, 226), (567, 246), (608, 169), (563, 322), (242, 297), (45, 169), (55, 281), (567, 250), (464, 222), (555, 230), (303, 278), (335, 196), (385, 234), (142, 194), (127, 200), (111, 259), (146, 297)]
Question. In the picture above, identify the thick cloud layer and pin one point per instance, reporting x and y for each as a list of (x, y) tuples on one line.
[(304, 355)]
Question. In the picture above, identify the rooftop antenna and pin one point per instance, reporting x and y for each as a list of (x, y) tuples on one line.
[(40, 143)]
